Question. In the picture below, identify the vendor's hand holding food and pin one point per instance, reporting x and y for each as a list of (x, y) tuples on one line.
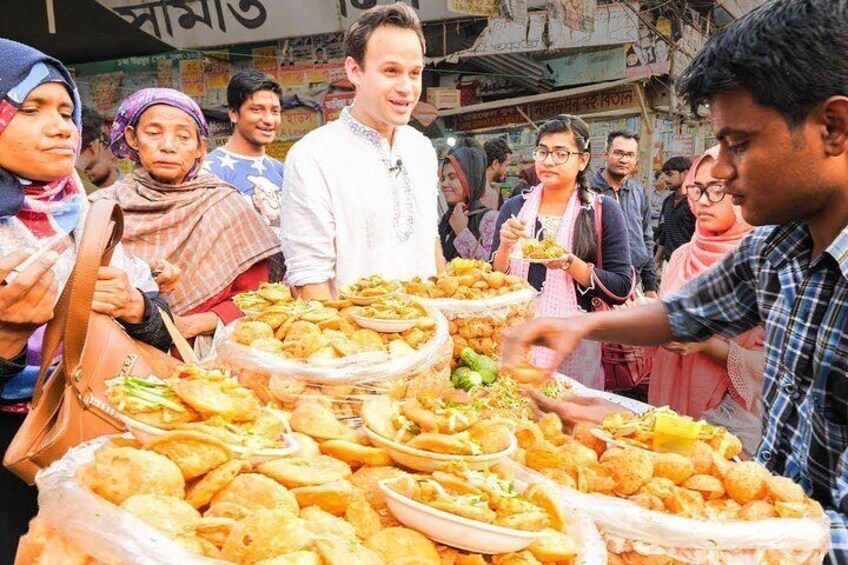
[(576, 409), (26, 300), (560, 335)]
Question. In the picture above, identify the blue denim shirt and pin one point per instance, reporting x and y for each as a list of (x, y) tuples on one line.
[(636, 206)]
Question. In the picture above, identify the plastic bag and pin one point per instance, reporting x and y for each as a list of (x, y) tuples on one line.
[(346, 381), (478, 323), (738, 421), (626, 527), (97, 527)]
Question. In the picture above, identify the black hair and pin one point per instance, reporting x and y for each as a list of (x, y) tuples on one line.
[(497, 149), (92, 127), (679, 164), (396, 15), (245, 84), (465, 140), (626, 134), (788, 54), (584, 241)]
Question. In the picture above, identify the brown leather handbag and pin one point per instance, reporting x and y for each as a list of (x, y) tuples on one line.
[(68, 404), (625, 366)]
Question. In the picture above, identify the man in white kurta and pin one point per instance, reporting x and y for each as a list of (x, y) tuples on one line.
[(360, 194), (353, 206)]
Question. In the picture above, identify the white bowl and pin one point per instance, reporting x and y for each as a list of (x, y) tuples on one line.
[(385, 326), (429, 461), (145, 433), (455, 531), (366, 300)]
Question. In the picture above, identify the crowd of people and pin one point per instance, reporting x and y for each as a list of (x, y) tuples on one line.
[(745, 325)]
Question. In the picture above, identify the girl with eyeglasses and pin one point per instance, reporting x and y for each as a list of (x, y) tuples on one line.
[(561, 207), (719, 379)]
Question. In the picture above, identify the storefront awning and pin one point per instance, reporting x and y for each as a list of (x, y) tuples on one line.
[(75, 31)]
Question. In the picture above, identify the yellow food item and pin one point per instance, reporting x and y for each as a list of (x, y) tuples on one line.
[(402, 545), (629, 467), (118, 473), (201, 492), (255, 492), (554, 546), (746, 481), (265, 534), (355, 454), (295, 472), (673, 466), (227, 509), (195, 453), (293, 558), (546, 249), (170, 515), (364, 519), (323, 523), (331, 497), (214, 530)]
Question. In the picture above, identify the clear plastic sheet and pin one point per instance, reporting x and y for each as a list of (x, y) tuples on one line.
[(345, 381), (628, 527), (479, 323), (97, 527)]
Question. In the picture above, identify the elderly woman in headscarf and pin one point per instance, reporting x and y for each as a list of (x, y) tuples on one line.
[(719, 379), (42, 205), (468, 227), (193, 220)]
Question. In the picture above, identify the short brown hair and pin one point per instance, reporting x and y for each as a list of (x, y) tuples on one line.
[(397, 15)]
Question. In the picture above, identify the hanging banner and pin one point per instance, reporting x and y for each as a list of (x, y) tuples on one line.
[(218, 71), (207, 23), (192, 80), (103, 91), (335, 102), (165, 73), (475, 7), (297, 122), (265, 61)]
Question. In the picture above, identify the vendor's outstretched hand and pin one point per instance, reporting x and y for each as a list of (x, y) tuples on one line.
[(560, 335), (577, 410)]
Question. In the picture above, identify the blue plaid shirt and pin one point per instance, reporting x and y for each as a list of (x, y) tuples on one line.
[(771, 279)]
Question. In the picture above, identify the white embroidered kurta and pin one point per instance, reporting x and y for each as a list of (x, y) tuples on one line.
[(352, 206)]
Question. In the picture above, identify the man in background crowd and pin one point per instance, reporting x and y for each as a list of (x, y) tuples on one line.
[(615, 181), (497, 159), (97, 167), (677, 223), (254, 103)]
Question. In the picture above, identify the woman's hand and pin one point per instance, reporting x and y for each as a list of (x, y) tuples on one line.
[(115, 296), (166, 275), (511, 231), (194, 325), (684, 349), (27, 302), (458, 218)]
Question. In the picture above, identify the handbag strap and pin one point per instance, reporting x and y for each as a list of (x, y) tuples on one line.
[(599, 262), (104, 226), (180, 342)]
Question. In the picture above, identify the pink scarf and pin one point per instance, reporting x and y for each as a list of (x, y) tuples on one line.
[(694, 384), (558, 298)]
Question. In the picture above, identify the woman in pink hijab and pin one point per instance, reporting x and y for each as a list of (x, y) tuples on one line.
[(720, 377)]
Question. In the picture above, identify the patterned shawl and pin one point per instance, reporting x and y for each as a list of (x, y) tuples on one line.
[(203, 226)]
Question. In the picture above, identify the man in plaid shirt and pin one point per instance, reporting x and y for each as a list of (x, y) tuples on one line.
[(776, 82)]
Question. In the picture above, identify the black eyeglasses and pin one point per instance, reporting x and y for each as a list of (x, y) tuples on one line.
[(560, 156), (714, 191)]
